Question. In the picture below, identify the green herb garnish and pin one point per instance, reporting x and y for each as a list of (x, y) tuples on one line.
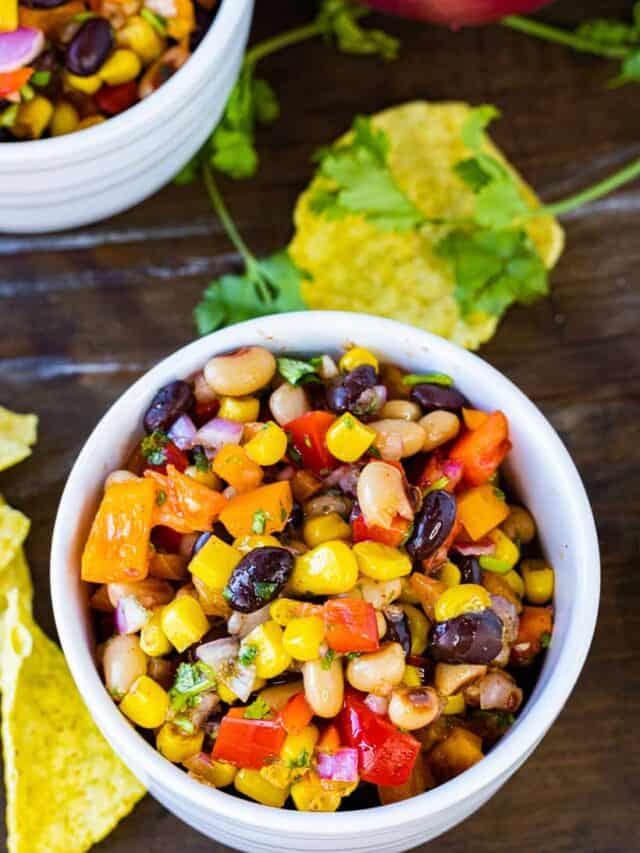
[(265, 590), (499, 493), (412, 379), (153, 447), (297, 372), (258, 710), (440, 483), (545, 640), (259, 522), (303, 759), (201, 461), (353, 655), (191, 680), (161, 497), (185, 725), (248, 654), (327, 659), (40, 78), (158, 23)]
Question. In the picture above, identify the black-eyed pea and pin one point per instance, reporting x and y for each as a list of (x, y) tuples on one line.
[(403, 410), (242, 372), (377, 672), (414, 707), (439, 427), (398, 436), (287, 403)]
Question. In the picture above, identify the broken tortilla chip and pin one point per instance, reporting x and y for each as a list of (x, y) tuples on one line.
[(14, 576), (14, 527), (20, 428), (12, 452), (66, 789)]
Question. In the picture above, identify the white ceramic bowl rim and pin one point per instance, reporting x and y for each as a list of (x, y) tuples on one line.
[(539, 712), (36, 151)]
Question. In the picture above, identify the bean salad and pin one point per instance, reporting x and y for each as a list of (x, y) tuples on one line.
[(309, 584), (66, 65)]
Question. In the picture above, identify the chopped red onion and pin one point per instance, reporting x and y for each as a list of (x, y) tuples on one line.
[(499, 692), (219, 431), (218, 652), (346, 477), (241, 624), (342, 766), (475, 549), (240, 680), (131, 616), (182, 432), (377, 704), (19, 47), (452, 470)]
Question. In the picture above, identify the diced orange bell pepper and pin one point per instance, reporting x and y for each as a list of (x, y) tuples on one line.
[(296, 714), (262, 511), (183, 503), (460, 751), (117, 549), (481, 451), (474, 418), (13, 81), (171, 567), (50, 21), (536, 624), (184, 21), (480, 510), (329, 739), (234, 466)]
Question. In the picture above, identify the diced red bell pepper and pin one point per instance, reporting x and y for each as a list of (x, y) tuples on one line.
[(386, 756), (173, 456), (296, 714), (350, 625), (116, 99), (13, 81), (309, 437), (438, 468), (248, 743), (481, 451), (166, 539), (393, 536)]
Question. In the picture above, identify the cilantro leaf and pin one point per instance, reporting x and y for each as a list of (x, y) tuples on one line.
[(201, 461), (473, 130), (257, 710), (248, 654), (630, 70), (259, 522), (296, 371), (607, 31), (359, 181), (265, 590), (494, 269), (191, 680), (269, 286), (153, 447), (338, 21), (303, 759), (327, 659)]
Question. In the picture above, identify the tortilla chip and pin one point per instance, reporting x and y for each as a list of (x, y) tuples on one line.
[(66, 789), (12, 452), (20, 428), (14, 527), (15, 576), (356, 267)]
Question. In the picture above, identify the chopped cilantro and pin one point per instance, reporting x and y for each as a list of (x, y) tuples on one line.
[(153, 447), (353, 655), (40, 78), (283, 513), (348, 421), (499, 493), (227, 594), (185, 725), (294, 454), (248, 654), (191, 680), (430, 378), (373, 451), (158, 23), (265, 590), (201, 461), (545, 640), (259, 522), (161, 497), (440, 483), (303, 759), (327, 659), (258, 710), (297, 372)]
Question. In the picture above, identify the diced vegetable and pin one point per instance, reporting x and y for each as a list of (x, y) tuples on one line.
[(233, 465), (350, 625), (482, 450), (118, 546), (182, 503), (392, 536), (309, 438), (460, 751), (248, 743), (215, 562), (274, 503), (480, 510), (534, 634), (296, 714)]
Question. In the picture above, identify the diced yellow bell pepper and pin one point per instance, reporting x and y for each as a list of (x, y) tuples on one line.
[(297, 749), (355, 357), (303, 637), (215, 562), (309, 795), (153, 640), (8, 16), (268, 446), (324, 528), (455, 704), (348, 438)]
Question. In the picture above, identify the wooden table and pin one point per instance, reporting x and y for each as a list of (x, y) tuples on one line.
[(83, 313)]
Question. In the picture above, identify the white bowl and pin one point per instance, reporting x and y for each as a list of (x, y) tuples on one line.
[(545, 479), (51, 184)]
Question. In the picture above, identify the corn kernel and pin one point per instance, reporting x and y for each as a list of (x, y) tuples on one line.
[(176, 746), (515, 582), (253, 785), (348, 438), (297, 749), (455, 704), (146, 703), (303, 637), (450, 574), (507, 552), (33, 118), (207, 478), (220, 774), (244, 544), (225, 693), (121, 67), (355, 357), (88, 85), (329, 569), (9, 16), (284, 610), (241, 409), (411, 677), (271, 657), (138, 35), (184, 622), (324, 528), (538, 581), (466, 598), (268, 445), (90, 121), (153, 640), (309, 795), (277, 773), (215, 562), (418, 628), (65, 119), (381, 562)]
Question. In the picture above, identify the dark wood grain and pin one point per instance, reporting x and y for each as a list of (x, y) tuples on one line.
[(83, 313)]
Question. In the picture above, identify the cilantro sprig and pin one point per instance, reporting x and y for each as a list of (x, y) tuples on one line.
[(191, 680)]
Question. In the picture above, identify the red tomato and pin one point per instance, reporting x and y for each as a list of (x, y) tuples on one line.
[(116, 99), (248, 743), (350, 625), (385, 755), (309, 437)]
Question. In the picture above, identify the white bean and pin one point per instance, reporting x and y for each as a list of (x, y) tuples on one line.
[(324, 688), (410, 435), (382, 495), (377, 672), (403, 410), (439, 427), (288, 403), (380, 593), (241, 372), (414, 707), (123, 662), (151, 592)]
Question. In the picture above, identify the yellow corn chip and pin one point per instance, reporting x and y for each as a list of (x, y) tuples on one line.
[(356, 267), (66, 789), (15, 576), (12, 452), (14, 527), (20, 428)]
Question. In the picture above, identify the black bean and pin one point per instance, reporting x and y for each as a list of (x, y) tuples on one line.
[(89, 48), (470, 571), (431, 397), (474, 638), (398, 630), (344, 392), (258, 578), (432, 524), (169, 403), (295, 520)]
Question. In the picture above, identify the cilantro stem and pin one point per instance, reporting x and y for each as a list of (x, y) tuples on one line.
[(228, 223), (610, 183), (555, 34)]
